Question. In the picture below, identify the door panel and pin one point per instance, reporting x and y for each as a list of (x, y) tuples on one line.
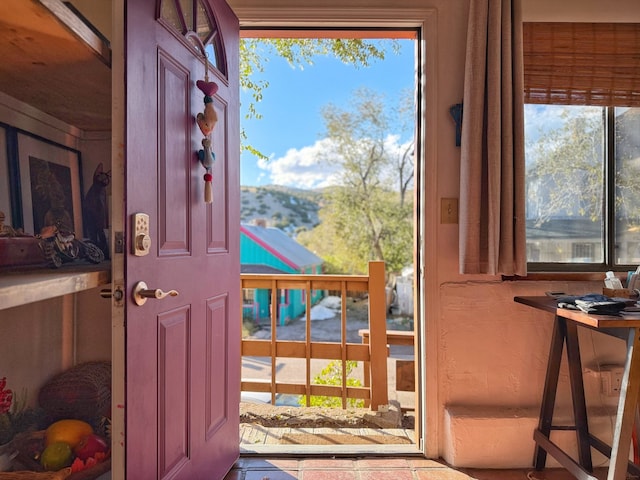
[(174, 98), (217, 360), (182, 352), (218, 240), (173, 389)]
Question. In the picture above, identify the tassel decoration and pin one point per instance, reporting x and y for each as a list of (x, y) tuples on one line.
[(206, 121), (208, 191)]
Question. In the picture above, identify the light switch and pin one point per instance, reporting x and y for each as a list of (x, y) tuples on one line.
[(449, 210)]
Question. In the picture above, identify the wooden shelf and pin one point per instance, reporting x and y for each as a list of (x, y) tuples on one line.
[(45, 45), (27, 286)]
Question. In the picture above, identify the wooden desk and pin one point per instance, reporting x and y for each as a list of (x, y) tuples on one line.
[(565, 333)]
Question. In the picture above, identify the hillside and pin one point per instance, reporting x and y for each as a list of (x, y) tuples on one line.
[(290, 209)]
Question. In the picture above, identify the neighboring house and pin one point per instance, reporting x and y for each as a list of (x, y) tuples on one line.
[(270, 250), (404, 292)]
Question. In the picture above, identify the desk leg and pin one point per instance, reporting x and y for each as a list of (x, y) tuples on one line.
[(627, 405), (550, 388), (577, 396)]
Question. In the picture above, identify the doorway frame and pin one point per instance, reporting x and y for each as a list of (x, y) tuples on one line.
[(424, 20)]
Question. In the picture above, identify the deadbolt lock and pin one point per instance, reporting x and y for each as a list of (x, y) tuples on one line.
[(141, 238)]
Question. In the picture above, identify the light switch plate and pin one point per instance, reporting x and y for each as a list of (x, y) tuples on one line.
[(449, 210)]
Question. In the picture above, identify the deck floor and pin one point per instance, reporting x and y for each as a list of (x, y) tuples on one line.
[(254, 435)]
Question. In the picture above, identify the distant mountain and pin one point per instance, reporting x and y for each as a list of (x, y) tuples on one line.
[(290, 209)]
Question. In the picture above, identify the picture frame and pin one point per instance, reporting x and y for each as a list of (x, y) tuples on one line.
[(50, 185), (5, 184)]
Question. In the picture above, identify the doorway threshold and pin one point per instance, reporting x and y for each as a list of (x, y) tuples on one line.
[(343, 441), (329, 450)]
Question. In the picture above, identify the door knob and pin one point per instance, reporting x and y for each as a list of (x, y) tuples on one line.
[(141, 293)]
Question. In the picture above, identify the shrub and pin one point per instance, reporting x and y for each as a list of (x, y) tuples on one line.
[(332, 375)]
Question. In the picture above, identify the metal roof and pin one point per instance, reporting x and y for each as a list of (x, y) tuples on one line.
[(254, 268), (279, 243)]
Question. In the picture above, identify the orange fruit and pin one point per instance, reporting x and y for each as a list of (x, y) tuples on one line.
[(69, 431)]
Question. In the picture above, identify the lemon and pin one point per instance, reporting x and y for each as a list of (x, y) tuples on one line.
[(56, 456), (69, 431)]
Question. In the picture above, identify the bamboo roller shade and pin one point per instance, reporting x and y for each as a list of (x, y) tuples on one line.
[(582, 63)]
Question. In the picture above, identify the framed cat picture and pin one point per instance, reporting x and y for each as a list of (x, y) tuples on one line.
[(50, 186), (5, 184)]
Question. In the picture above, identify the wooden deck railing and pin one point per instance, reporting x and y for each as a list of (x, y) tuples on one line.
[(374, 353)]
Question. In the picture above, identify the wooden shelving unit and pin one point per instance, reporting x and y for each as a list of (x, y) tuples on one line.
[(27, 286)]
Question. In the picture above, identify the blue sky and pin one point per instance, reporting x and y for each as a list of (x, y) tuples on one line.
[(290, 130)]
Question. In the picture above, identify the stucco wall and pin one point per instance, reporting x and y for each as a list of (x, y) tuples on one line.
[(485, 356)]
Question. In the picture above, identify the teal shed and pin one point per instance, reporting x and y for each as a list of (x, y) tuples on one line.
[(270, 250)]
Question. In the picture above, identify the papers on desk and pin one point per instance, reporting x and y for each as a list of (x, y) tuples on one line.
[(633, 280), (631, 311), (601, 307), (594, 304)]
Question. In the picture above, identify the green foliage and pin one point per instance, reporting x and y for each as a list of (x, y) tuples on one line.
[(332, 375), (368, 216), (566, 175), (627, 126), (287, 208), (567, 164), (249, 326)]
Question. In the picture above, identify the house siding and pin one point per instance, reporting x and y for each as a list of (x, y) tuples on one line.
[(257, 250)]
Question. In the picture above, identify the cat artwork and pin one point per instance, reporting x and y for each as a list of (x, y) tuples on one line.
[(51, 204), (96, 214)]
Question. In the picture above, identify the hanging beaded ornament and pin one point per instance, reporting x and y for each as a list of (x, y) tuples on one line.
[(206, 121)]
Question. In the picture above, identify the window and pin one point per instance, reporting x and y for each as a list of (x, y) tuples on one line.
[(248, 296), (582, 137), (194, 21), (583, 185)]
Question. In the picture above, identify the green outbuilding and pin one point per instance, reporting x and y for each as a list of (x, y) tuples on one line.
[(270, 250)]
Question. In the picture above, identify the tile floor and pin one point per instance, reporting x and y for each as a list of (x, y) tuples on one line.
[(376, 468)]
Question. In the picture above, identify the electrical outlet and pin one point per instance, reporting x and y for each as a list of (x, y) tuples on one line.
[(449, 210), (611, 380), (616, 380)]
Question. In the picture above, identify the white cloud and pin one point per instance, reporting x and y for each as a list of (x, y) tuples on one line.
[(308, 167), (303, 168)]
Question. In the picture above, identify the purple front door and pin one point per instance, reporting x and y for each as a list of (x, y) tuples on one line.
[(182, 351)]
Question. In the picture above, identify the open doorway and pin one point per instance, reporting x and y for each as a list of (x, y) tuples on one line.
[(301, 158)]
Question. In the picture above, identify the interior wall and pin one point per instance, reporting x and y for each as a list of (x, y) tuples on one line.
[(30, 345), (32, 335), (483, 352), (620, 11), (492, 352)]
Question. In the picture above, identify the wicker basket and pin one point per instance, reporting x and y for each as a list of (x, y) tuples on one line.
[(619, 293), (82, 392), (63, 474), (28, 444)]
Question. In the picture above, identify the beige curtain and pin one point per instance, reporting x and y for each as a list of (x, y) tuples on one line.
[(492, 198)]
